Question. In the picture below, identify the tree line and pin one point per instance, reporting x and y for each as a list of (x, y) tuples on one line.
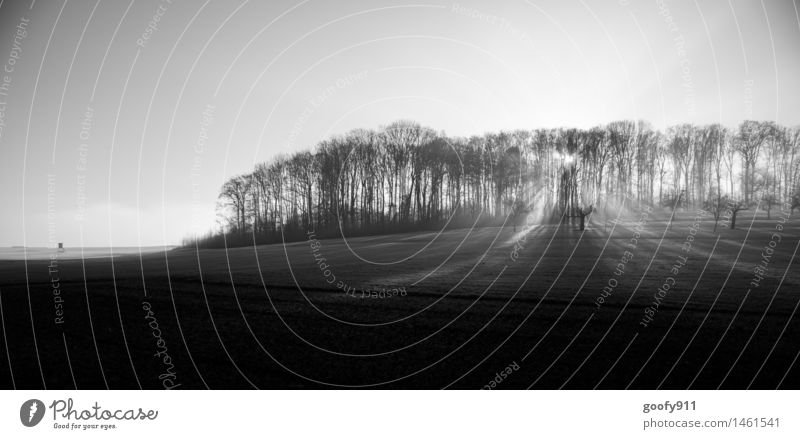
[(404, 176)]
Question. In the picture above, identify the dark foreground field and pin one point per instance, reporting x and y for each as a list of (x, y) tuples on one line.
[(464, 309)]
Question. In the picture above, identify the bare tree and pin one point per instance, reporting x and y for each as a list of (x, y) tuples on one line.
[(715, 204), (682, 145), (751, 137), (405, 176), (732, 209), (235, 193)]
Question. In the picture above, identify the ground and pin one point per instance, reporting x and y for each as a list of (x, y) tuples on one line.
[(463, 308)]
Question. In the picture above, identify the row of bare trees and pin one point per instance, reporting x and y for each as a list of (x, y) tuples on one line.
[(406, 176)]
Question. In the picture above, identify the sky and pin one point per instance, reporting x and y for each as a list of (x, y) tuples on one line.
[(120, 121)]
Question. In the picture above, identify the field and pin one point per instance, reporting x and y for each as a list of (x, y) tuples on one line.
[(463, 308)]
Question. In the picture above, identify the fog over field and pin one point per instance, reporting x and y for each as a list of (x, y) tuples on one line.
[(361, 194)]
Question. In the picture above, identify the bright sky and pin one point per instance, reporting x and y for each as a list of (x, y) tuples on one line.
[(212, 88)]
